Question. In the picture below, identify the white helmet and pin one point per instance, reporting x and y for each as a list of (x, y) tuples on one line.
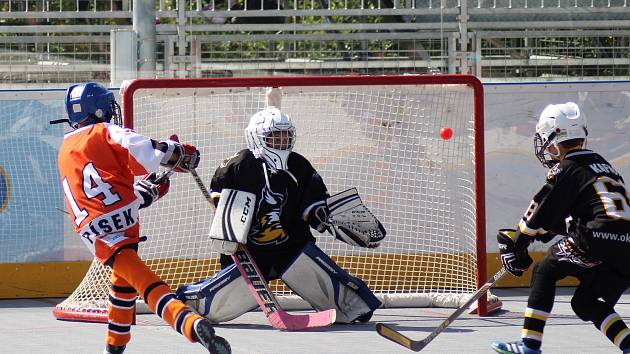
[(558, 123), (271, 137)]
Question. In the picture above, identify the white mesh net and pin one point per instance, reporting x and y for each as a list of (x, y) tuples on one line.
[(382, 139)]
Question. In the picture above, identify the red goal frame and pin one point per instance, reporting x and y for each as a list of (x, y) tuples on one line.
[(280, 81)]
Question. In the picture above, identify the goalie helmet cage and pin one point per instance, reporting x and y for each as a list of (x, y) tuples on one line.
[(379, 134)]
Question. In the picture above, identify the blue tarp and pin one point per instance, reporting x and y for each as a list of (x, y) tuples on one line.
[(31, 200)]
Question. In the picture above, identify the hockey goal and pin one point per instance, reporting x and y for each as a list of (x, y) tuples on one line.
[(377, 133)]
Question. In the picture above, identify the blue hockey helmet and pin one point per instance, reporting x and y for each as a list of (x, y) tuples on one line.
[(91, 101)]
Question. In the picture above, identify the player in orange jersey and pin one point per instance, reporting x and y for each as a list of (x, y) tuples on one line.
[(97, 164)]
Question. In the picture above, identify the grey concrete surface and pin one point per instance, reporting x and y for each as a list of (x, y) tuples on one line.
[(27, 326)]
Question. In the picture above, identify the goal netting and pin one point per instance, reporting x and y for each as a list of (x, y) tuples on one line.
[(379, 134)]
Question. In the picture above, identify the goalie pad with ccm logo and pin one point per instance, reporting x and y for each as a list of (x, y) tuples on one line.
[(352, 222), (232, 220)]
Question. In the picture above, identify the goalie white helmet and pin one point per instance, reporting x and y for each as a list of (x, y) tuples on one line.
[(271, 137), (558, 123)]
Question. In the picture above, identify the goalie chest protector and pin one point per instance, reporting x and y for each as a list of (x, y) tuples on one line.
[(278, 225)]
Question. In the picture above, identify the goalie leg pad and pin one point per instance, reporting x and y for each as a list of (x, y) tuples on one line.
[(221, 298), (323, 284)]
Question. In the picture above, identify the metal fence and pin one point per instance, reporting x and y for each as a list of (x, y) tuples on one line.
[(65, 41)]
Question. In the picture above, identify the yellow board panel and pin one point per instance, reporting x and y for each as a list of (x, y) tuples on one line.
[(509, 281), (59, 279), (35, 280)]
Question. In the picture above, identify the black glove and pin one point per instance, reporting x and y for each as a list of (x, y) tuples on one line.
[(318, 218), (514, 258)]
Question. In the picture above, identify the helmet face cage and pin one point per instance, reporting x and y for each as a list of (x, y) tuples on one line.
[(116, 113), (279, 139), (271, 137), (91, 101), (540, 149)]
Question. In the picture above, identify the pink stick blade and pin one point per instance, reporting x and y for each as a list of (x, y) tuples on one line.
[(294, 322)]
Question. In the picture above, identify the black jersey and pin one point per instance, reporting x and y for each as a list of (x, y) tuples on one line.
[(283, 198), (587, 188)]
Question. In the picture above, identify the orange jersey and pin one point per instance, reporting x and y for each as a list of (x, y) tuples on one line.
[(97, 165)]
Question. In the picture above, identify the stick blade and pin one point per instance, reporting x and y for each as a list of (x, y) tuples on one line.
[(289, 322), (399, 338)]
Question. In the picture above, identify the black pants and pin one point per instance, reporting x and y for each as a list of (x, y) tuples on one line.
[(600, 281), (271, 263)]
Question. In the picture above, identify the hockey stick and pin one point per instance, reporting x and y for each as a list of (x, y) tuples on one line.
[(269, 304), (163, 175), (265, 298), (202, 187), (417, 345)]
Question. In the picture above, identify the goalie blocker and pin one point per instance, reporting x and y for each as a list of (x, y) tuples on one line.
[(232, 219)]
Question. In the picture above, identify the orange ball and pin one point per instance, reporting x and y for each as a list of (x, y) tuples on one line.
[(446, 133)]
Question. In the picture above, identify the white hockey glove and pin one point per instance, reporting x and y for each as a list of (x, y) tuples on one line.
[(352, 222), (151, 188)]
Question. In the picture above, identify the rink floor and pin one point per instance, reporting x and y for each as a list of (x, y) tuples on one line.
[(27, 326)]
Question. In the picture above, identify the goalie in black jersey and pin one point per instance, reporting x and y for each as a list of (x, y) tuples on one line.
[(585, 190), (290, 198)]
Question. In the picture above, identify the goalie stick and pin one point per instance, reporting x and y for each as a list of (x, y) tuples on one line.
[(417, 345), (265, 298), (269, 304)]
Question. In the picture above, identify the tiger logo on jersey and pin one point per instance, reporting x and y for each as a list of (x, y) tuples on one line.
[(268, 229)]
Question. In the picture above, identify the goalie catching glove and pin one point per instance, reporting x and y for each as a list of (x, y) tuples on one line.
[(514, 255), (151, 188), (349, 220)]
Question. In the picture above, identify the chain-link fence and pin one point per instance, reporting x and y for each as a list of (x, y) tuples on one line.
[(66, 41)]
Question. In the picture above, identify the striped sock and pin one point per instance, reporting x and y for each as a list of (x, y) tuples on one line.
[(120, 311), (162, 301), (616, 331), (533, 327), (158, 296)]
